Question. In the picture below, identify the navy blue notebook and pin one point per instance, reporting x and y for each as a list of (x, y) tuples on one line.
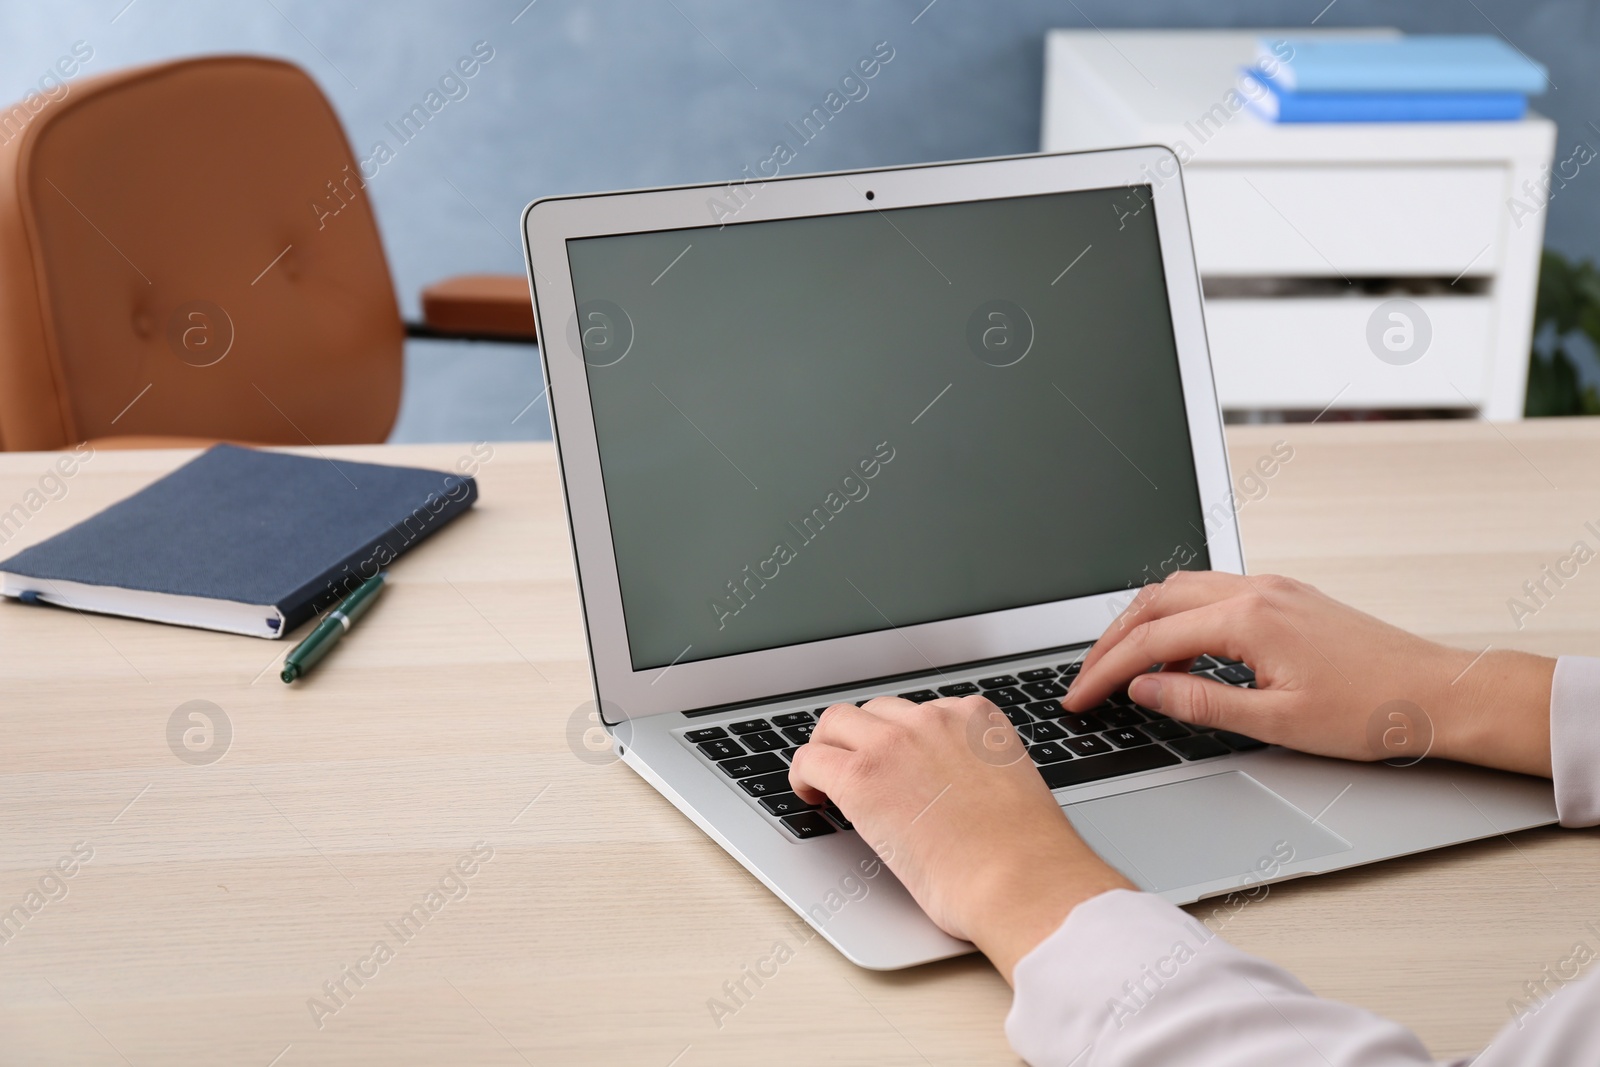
[(239, 540)]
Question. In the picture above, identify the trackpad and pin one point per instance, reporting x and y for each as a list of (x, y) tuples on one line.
[(1224, 826)]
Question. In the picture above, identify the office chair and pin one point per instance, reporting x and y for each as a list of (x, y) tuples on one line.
[(188, 253)]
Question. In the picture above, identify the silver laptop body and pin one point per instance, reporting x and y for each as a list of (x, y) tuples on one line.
[(926, 428)]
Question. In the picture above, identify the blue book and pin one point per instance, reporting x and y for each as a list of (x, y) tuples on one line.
[(1276, 105), (1423, 63), (238, 540)]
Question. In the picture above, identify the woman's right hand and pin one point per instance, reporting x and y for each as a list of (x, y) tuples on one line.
[(1330, 680)]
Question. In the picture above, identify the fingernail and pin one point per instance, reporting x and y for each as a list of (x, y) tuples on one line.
[(1146, 691)]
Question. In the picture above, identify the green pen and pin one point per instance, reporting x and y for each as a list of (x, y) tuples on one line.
[(320, 641)]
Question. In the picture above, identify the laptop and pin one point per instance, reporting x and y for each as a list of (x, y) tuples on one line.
[(921, 431)]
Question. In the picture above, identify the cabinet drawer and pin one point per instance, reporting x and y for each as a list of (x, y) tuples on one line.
[(1327, 221), (1302, 353)]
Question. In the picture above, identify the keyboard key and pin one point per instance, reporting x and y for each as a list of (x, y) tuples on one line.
[(750, 726), (1236, 674), (1017, 716), (1049, 752), (1081, 724), (1086, 746), (999, 681), (788, 753), (1121, 717), (723, 749), (765, 741), (793, 718), (958, 689), (1070, 670), (1239, 742), (1041, 731), (1165, 729), (1045, 709), (836, 815), (1193, 748), (710, 733), (785, 804), (1128, 737), (799, 733), (920, 696), (1005, 698), (766, 784), (1044, 690), (750, 766), (1203, 663), (1111, 765), (808, 824), (1038, 674)]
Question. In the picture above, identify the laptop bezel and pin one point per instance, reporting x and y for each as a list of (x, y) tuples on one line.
[(547, 225)]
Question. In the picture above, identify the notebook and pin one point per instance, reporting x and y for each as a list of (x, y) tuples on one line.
[(1425, 63), (239, 540), (1279, 105)]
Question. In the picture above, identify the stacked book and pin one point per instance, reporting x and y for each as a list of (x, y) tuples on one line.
[(1391, 79)]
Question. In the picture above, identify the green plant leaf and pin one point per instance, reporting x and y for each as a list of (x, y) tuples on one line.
[(1569, 302)]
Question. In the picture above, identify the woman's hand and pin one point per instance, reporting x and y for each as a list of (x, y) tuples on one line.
[(1330, 680), (946, 794)]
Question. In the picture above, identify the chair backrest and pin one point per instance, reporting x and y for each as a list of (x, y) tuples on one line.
[(189, 249)]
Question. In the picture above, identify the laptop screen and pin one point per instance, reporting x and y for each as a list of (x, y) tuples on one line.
[(817, 427)]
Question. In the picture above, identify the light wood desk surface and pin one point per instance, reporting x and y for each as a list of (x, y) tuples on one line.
[(220, 898)]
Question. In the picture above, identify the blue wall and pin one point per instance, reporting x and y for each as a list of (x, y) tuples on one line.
[(609, 94)]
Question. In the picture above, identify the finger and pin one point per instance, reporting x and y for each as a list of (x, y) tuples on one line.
[(848, 727), (892, 707), (1210, 628), (818, 771), (1203, 702), (1181, 591)]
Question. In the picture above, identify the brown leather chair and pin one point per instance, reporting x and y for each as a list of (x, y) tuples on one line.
[(188, 251)]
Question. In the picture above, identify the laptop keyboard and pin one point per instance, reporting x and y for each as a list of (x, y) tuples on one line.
[(1112, 740)]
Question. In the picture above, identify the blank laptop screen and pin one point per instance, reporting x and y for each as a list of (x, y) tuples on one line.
[(810, 428)]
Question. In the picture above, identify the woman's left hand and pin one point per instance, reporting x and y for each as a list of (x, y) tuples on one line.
[(946, 794)]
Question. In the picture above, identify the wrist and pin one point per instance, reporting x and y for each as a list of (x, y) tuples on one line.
[(1496, 712), (1017, 905)]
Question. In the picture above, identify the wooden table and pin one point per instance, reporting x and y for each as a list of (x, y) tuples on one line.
[(221, 896)]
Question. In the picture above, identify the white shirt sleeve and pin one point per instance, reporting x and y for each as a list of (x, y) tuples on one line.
[(1575, 740), (1131, 981)]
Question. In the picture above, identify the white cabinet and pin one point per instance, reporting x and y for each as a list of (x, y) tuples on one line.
[(1304, 232), (1303, 354)]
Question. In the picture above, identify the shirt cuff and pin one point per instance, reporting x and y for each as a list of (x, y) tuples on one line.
[(1575, 740), (1130, 979), (1057, 1012)]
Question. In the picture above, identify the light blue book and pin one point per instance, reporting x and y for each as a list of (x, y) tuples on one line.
[(1275, 104), (1478, 63)]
